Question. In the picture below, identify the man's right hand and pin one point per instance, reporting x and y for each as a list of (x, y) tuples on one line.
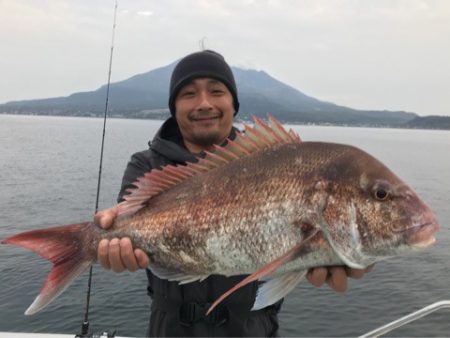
[(117, 254)]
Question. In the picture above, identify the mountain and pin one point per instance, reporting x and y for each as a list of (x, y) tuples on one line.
[(146, 95), (429, 122)]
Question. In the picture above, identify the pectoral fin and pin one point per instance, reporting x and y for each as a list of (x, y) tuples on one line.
[(266, 270)]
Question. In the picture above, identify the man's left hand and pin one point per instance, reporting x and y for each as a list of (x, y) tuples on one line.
[(335, 276)]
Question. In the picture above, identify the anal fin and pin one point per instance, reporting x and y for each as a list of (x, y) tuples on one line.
[(267, 269)]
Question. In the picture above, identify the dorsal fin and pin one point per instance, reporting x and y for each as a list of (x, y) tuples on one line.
[(256, 138)]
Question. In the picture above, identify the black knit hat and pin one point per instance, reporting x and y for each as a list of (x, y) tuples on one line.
[(206, 63)]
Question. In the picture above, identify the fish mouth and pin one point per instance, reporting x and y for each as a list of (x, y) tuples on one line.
[(421, 235)]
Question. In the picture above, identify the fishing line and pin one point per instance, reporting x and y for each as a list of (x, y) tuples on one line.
[(85, 324)]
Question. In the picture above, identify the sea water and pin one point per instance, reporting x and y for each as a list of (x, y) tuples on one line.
[(48, 176)]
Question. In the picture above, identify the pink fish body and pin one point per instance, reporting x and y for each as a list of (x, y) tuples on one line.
[(266, 205)]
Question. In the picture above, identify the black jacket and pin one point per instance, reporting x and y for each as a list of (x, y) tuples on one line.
[(178, 310)]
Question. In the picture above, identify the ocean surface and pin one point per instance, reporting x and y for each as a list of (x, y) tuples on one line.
[(48, 176)]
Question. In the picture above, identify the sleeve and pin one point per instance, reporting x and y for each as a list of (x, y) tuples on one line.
[(138, 165)]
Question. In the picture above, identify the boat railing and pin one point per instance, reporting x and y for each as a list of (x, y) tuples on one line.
[(407, 319)]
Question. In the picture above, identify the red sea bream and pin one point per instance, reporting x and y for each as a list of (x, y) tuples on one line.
[(266, 204)]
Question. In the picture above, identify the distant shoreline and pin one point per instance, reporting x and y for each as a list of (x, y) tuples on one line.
[(163, 117)]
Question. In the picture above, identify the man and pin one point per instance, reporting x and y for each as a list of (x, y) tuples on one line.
[(203, 101)]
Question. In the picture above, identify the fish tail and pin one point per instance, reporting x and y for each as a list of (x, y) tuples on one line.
[(66, 247)]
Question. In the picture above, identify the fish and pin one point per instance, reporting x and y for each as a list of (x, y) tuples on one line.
[(266, 204)]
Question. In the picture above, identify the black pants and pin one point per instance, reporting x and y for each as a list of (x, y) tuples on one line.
[(261, 323)]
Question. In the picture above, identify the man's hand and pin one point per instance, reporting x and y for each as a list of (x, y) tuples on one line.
[(117, 254), (335, 276)]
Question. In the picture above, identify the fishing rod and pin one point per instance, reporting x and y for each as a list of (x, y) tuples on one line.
[(85, 324)]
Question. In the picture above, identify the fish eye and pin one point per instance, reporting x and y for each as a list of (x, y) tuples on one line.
[(381, 194)]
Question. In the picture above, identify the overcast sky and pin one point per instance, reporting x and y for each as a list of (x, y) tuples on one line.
[(366, 54)]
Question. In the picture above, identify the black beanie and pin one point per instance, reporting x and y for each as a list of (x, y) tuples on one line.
[(206, 63)]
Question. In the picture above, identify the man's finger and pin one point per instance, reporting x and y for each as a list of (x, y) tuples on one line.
[(127, 255), (337, 278), (142, 258), (97, 218), (102, 254), (317, 276), (105, 218), (114, 256), (355, 273), (369, 268)]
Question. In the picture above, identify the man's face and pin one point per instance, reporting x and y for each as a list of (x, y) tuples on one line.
[(204, 113)]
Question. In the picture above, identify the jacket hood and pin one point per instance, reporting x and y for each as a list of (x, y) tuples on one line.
[(169, 143)]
